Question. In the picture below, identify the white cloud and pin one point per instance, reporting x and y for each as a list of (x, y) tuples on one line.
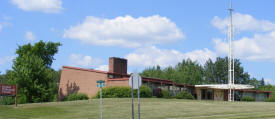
[(29, 36), (259, 47), (125, 31), (102, 67), (1, 27), (151, 56), (243, 22), (6, 59), (85, 61), (46, 6)]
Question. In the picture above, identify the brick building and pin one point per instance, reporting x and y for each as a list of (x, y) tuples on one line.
[(80, 80), (74, 79)]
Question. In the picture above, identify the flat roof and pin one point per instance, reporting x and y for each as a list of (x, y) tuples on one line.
[(225, 86)]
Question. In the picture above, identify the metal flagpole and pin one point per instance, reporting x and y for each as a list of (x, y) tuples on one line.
[(230, 55)]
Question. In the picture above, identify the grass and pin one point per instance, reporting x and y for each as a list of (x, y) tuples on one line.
[(151, 108)]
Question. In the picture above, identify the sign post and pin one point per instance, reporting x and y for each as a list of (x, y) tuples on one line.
[(100, 84), (135, 82), (9, 90)]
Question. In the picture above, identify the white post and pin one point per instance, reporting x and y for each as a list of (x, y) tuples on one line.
[(138, 102), (132, 99), (100, 102)]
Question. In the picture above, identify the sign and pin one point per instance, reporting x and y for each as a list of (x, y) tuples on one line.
[(100, 83), (7, 90), (137, 81)]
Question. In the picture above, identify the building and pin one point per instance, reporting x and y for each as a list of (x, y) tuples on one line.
[(80, 80)]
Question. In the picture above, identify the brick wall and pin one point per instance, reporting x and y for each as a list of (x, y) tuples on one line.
[(80, 81)]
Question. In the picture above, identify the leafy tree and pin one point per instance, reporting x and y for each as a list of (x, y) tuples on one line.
[(31, 71), (262, 83), (186, 71)]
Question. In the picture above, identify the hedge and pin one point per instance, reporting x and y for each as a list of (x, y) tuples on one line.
[(247, 98), (76, 96), (123, 92), (165, 94), (184, 95)]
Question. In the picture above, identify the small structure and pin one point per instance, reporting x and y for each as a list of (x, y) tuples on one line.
[(220, 92)]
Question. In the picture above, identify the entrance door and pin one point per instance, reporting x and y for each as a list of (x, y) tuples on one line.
[(207, 94)]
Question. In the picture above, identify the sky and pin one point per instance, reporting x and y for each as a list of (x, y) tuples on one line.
[(145, 32)]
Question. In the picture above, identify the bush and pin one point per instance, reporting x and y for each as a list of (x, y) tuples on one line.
[(165, 94), (184, 95), (123, 92), (272, 99), (76, 96), (115, 92), (7, 100), (247, 98), (145, 92)]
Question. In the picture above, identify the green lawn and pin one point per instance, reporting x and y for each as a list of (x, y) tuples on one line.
[(150, 109)]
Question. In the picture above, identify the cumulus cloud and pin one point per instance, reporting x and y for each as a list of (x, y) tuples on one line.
[(151, 56), (6, 59), (243, 22), (258, 47), (46, 6), (29, 36), (125, 31), (102, 67)]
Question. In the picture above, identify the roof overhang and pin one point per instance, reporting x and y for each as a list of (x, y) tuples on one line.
[(225, 86)]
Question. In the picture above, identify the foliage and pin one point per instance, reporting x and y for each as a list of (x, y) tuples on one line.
[(115, 92), (76, 96), (5, 100), (144, 91), (184, 95), (186, 71), (165, 94), (123, 92), (247, 98), (272, 99), (31, 71), (213, 72)]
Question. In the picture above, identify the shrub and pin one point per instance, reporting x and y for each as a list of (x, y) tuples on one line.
[(145, 92), (272, 99), (7, 100), (76, 96), (247, 98), (123, 92), (184, 95), (115, 92), (165, 94)]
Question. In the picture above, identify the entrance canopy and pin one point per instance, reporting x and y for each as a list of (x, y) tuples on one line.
[(225, 86)]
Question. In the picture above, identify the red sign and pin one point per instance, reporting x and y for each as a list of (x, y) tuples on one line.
[(7, 90)]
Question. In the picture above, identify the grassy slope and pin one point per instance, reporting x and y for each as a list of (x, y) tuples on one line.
[(150, 109)]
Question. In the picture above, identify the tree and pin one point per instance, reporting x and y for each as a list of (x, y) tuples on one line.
[(32, 72), (262, 83), (186, 71)]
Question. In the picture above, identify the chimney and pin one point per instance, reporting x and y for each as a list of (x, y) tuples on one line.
[(117, 65)]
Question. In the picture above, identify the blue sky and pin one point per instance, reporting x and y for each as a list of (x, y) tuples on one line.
[(146, 32)]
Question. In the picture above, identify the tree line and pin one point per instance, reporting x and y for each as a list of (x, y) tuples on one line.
[(212, 72)]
